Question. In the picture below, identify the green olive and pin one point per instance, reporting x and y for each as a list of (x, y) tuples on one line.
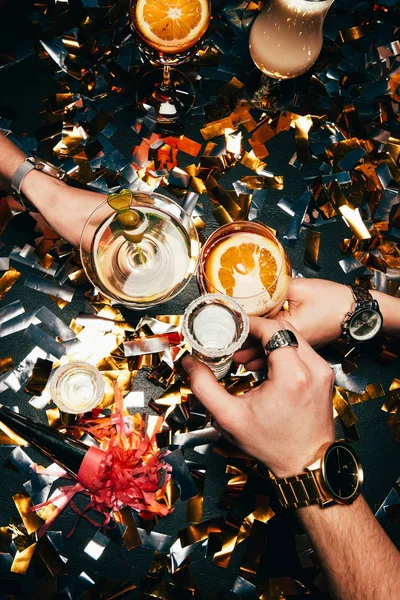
[(133, 237), (129, 219)]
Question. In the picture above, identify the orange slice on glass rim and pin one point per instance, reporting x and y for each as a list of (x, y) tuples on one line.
[(244, 265), (171, 25)]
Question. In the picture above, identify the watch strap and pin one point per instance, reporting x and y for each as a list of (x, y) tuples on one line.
[(20, 174), (301, 490), (30, 163), (362, 296)]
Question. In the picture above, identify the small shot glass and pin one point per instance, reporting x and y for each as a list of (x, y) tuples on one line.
[(215, 326), (76, 387)]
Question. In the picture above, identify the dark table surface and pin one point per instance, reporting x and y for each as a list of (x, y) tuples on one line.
[(25, 85)]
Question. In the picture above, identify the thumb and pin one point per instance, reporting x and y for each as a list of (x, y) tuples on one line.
[(206, 388)]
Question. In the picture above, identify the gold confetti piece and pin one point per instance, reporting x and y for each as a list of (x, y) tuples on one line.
[(125, 380), (9, 438), (241, 385), (263, 133), (46, 261), (46, 512), (395, 384), (54, 418), (171, 396), (263, 183), (241, 116), (6, 364), (352, 34), (31, 521), (392, 401), (59, 301), (251, 161), (77, 278), (342, 407), (229, 536), (22, 560), (110, 312), (7, 280), (188, 146), (260, 151), (131, 536), (217, 128), (311, 252), (355, 222), (221, 215), (302, 126), (175, 320)]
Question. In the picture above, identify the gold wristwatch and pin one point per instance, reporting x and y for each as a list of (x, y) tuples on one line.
[(336, 476)]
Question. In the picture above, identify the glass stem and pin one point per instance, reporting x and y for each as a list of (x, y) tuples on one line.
[(166, 84)]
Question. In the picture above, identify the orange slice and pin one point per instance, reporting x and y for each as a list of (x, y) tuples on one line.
[(171, 25), (244, 265)]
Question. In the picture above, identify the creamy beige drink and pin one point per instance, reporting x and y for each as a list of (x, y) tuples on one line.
[(286, 38)]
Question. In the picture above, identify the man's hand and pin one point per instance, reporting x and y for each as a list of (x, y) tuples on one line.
[(285, 420)]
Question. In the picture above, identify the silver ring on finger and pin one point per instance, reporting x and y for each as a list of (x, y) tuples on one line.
[(284, 338)]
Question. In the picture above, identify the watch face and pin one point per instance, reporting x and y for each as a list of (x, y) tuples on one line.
[(365, 324), (342, 472)]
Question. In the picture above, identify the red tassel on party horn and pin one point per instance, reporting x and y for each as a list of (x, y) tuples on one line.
[(128, 472)]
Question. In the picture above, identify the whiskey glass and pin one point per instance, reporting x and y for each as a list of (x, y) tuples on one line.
[(168, 33)]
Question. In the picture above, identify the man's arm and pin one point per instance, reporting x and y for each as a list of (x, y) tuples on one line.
[(358, 557), (284, 423)]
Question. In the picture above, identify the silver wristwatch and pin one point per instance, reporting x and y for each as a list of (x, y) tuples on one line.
[(30, 163), (365, 321)]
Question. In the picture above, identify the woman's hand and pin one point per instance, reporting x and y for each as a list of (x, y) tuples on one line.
[(66, 209)]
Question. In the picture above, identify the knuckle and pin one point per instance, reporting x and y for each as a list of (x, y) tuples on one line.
[(299, 377), (327, 375)]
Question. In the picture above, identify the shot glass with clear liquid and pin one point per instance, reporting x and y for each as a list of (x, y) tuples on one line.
[(215, 327), (76, 387)]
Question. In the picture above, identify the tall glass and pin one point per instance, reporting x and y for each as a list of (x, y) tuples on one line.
[(285, 41), (168, 33), (245, 261), (146, 264)]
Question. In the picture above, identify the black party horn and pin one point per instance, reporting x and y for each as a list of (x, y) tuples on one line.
[(81, 461)]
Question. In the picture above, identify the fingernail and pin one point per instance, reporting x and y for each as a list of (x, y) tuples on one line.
[(188, 363)]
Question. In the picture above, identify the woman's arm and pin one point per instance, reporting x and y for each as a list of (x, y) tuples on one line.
[(65, 208)]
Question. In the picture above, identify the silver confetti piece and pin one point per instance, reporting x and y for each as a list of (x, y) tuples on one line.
[(45, 341), (64, 292)]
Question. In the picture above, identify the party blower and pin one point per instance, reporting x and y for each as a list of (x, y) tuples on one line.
[(81, 461), (112, 478)]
